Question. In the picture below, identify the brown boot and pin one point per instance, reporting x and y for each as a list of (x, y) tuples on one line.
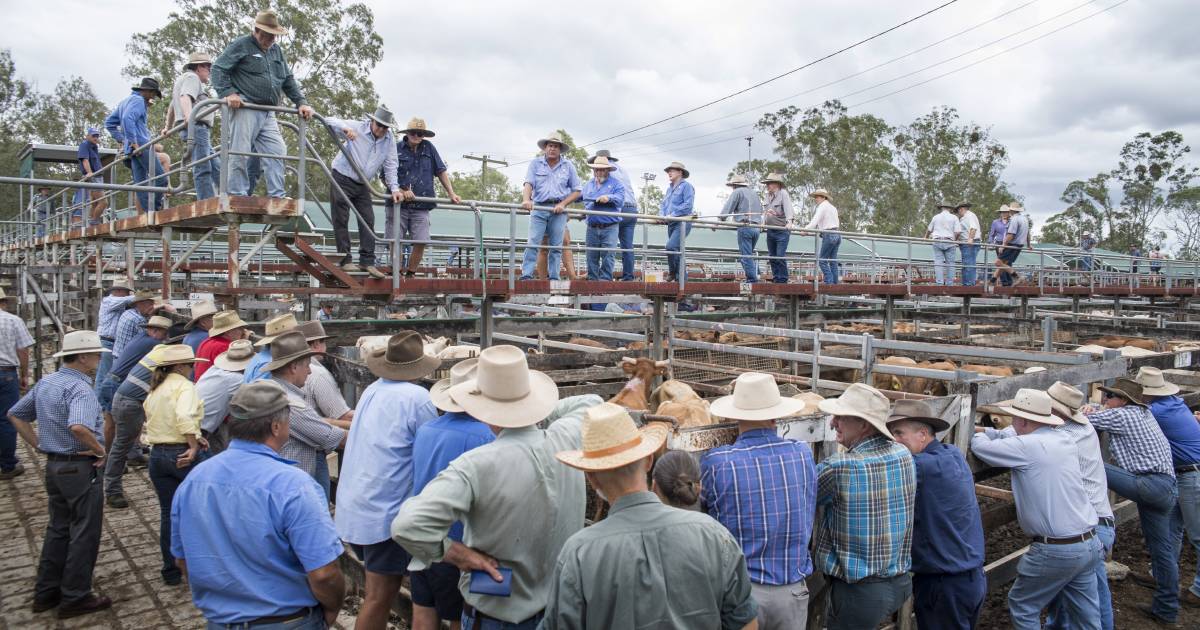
[(1189, 599), (93, 603)]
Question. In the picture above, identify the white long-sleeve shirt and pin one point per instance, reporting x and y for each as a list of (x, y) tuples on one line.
[(825, 218)]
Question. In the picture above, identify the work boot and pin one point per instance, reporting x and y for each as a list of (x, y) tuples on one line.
[(1143, 579), (42, 605), (117, 501), (93, 603), (1147, 611), (374, 272), (1189, 599), (350, 267), (17, 471)]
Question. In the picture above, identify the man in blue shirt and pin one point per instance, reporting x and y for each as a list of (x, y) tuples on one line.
[(435, 591), (947, 546), (603, 193), (377, 477), (127, 125), (762, 488), (550, 180), (89, 164), (198, 325), (629, 208), (252, 532), (679, 201), (418, 164), (274, 327), (112, 306)]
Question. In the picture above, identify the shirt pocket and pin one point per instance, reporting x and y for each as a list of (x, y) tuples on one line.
[(541, 174)]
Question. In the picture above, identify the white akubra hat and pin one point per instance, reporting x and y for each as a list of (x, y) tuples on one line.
[(1015, 207), (80, 342), (611, 440), (861, 401), (1031, 404), (274, 327), (237, 357), (460, 372), (1153, 383), (737, 180), (505, 392), (201, 309), (755, 398), (1067, 400)]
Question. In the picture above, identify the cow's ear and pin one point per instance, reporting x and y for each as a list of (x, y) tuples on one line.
[(661, 370)]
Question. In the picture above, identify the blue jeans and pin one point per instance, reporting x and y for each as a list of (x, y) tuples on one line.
[(314, 621), (747, 238), (949, 600), (321, 474), (827, 257), (1156, 496), (1058, 617), (167, 477), (1067, 572), (600, 263), (258, 131), (207, 174), (543, 223), (625, 239), (674, 243), (468, 621), (777, 244), (107, 390), (943, 262), (10, 393), (142, 165), (1085, 262), (1189, 513), (106, 361), (969, 254)]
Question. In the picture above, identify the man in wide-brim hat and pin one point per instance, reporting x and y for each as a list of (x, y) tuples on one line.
[(227, 327), (970, 234), (826, 220), (743, 206), (868, 492), (321, 390), (629, 208), (550, 180), (602, 193), (678, 201), (127, 124), (741, 483), (944, 229), (197, 327), (947, 545), (1016, 238), (504, 490), (420, 163), (273, 328), (189, 89)]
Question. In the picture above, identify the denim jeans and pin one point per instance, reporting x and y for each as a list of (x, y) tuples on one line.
[(142, 165), (827, 257), (543, 223), (106, 361), (257, 131), (315, 620), (1058, 617), (10, 393), (1049, 571), (865, 604), (943, 262), (1189, 513), (1085, 263), (625, 239), (468, 622), (969, 254), (128, 417), (674, 244), (1156, 496), (777, 244), (106, 392), (600, 263), (166, 477), (206, 175), (747, 238), (949, 600), (321, 474)]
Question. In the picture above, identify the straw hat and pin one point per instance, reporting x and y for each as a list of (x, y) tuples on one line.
[(403, 359), (417, 125), (275, 326), (80, 342), (1153, 384), (288, 347), (1067, 400), (601, 163), (737, 180), (197, 59), (1031, 404), (820, 192), (237, 357), (268, 21), (1015, 207), (313, 331), (200, 309), (121, 285), (460, 372), (177, 354), (773, 178), (1004, 208), (603, 153), (505, 392), (611, 440), (556, 138), (142, 296), (1034, 369), (964, 204), (224, 322), (861, 401), (917, 411), (755, 398), (1126, 388), (681, 167), (158, 321), (383, 116)]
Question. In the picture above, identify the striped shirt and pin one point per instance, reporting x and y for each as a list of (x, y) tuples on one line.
[(868, 494), (13, 336), (111, 308), (311, 437), (1091, 464), (321, 393), (762, 488), (58, 402), (128, 326), (1137, 443)]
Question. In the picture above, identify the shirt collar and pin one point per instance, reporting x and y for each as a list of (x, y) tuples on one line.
[(756, 435), (258, 448), (520, 434), (288, 387), (933, 447), (633, 500), (872, 442), (75, 373)]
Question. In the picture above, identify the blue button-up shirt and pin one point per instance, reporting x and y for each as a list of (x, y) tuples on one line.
[(762, 488), (440, 442), (947, 529), (111, 309), (417, 169), (593, 190), (58, 402), (127, 123), (679, 200), (996, 234), (378, 474), (626, 183), (216, 389), (1180, 427), (195, 337), (254, 369), (373, 155), (743, 205), (251, 526), (551, 184), (129, 326)]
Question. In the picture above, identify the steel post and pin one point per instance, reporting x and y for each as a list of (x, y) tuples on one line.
[(889, 317), (487, 322), (965, 327), (793, 313), (165, 264), (233, 264), (1048, 327)]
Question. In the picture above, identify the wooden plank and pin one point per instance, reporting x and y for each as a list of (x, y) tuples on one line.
[(994, 493)]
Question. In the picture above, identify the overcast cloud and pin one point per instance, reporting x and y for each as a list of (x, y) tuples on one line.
[(493, 77)]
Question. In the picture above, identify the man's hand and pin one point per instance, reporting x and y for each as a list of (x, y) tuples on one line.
[(200, 439), (161, 133), (397, 196), (468, 559), (559, 208), (455, 198), (97, 452), (980, 429), (408, 195), (233, 100), (602, 199), (527, 205), (350, 135), (307, 112), (24, 383)]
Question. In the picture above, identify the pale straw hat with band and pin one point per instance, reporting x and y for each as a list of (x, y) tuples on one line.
[(505, 392), (177, 354), (201, 309), (224, 322), (1067, 400), (861, 401), (611, 440), (276, 326), (80, 342)]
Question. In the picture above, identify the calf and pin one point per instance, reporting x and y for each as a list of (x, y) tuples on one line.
[(1117, 342), (931, 386), (990, 370), (582, 341), (637, 391), (678, 400), (893, 382)]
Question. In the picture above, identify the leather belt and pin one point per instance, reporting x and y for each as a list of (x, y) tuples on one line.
[(170, 445), (8, 368), (110, 339), (69, 457), (284, 618), (1188, 468), (1046, 540), (479, 617), (1106, 520)]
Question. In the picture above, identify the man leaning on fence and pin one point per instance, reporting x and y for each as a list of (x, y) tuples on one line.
[(89, 165), (187, 91), (127, 125), (745, 209), (603, 193), (252, 70), (550, 180), (418, 163)]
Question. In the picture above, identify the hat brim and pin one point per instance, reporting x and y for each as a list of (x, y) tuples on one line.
[(544, 141), (149, 325), (139, 87), (1051, 419), (232, 365), (217, 332), (1122, 394), (602, 167), (381, 123), (509, 414), (1168, 389), (686, 173), (723, 407), (653, 437), (67, 353), (835, 406), (282, 361), (410, 371), (274, 30), (192, 321), (1074, 415), (180, 362), (937, 424), (424, 133), (261, 342), (440, 395), (736, 184)]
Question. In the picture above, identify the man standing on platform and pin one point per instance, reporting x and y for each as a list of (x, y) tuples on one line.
[(14, 379), (603, 193), (826, 218), (777, 221), (127, 125), (679, 201), (550, 180), (969, 236), (419, 163), (187, 91), (744, 207), (112, 306), (1016, 239), (630, 208), (944, 229), (89, 164), (198, 325)]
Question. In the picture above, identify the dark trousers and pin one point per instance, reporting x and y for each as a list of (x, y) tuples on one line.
[(1009, 256), (166, 477), (73, 489), (360, 196), (625, 240), (949, 600), (865, 604), (10, 392)]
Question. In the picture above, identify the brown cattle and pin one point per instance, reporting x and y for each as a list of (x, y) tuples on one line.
[(1117, 342), (637, 391), (728, 337), (636, 345), (678, 400), (989, 370), (893, 382), (931, 386), (582, 341)]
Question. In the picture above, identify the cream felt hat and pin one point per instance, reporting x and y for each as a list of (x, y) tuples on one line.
[(1067, 400), (158, 321), (236, 357), (276, 326), (505, 392), (556, 138), (1153, 383), (755, 397), (861, 401), (611, 440), (1031, 404), (601, 163), (224, 322), (820, 192), (460, 372), (177, 354), (681, 167), (812, 403), (80, 342), (737, 180), (200, 309)]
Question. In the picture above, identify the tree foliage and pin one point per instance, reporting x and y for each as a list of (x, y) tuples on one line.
[(650, 199), (468, 186)]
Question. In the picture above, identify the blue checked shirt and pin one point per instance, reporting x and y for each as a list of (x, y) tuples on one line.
[(128, 327), (59, 401), (762, 488), (1137, 443), (111, 308), (868, 494)]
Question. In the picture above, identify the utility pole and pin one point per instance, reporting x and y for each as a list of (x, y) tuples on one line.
[(485, 158), (646, 179)]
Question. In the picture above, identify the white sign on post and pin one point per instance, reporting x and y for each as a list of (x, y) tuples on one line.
[(1183, 359)]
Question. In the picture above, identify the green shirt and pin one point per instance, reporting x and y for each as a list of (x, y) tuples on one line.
[(257, 76), (648, 565)]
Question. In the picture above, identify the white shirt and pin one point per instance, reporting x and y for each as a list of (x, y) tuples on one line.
[(944, 226), (13, 336), (967, 223), (825, 218)]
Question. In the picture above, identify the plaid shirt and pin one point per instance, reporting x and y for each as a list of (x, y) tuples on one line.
[(321, 393), (762, 488), (311, 437), (128, 327), (13, 336), (868, 494), (1137, 444), (111, 309), (59, 401)]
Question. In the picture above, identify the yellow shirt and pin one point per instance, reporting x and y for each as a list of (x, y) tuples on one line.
[(173, 410)]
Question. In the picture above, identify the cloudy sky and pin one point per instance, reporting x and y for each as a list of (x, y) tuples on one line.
[(493, 77)]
